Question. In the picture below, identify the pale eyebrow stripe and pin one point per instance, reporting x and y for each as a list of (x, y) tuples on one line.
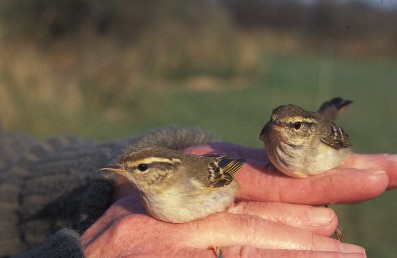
[(301, 119), (150, 160)]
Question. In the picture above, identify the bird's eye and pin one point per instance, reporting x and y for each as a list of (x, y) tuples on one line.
[(297, 125), (142, 167)]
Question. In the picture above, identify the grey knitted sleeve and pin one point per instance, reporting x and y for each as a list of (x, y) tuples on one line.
[(45, 187), (64, 243)]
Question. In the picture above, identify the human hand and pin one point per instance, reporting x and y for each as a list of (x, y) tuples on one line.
[(250, 229), (359, 178)]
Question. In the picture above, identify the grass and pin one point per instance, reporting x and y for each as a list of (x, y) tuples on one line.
[(237, 109), (237, 112)]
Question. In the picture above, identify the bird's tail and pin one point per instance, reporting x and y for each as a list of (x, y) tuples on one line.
[(334, 107)]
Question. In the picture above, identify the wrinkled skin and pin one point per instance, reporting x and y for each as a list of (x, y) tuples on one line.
[(273, 216)]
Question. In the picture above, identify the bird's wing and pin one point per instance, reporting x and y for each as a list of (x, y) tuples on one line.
[(335, 137), (221, 170)]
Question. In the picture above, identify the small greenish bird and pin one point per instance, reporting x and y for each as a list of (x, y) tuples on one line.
[(176, 187), (301, 143)]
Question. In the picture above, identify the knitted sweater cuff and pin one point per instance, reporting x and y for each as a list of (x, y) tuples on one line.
[(56, 184), (64, 243)]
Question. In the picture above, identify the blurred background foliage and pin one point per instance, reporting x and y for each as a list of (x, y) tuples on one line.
[(109, 69)]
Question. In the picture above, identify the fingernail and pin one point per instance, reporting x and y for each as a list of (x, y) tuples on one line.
[(321, 215), (350, 248)]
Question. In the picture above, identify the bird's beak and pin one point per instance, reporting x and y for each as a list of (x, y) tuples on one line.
[(114, 169), (262, 135), (264, 131), (270, 126), (276, 127)]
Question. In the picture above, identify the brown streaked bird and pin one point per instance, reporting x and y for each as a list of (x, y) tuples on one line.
[(176, 187), (301, 143)]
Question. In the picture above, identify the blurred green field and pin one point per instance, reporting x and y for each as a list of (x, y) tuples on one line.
[(237, 109)]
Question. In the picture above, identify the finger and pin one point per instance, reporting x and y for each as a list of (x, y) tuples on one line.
[(122, 208), (319, 220), (387, 162), (261, 183), (246, 251), (223, 229)]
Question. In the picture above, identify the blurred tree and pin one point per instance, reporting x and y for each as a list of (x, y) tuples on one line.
[(322, 18), (53, 19)]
